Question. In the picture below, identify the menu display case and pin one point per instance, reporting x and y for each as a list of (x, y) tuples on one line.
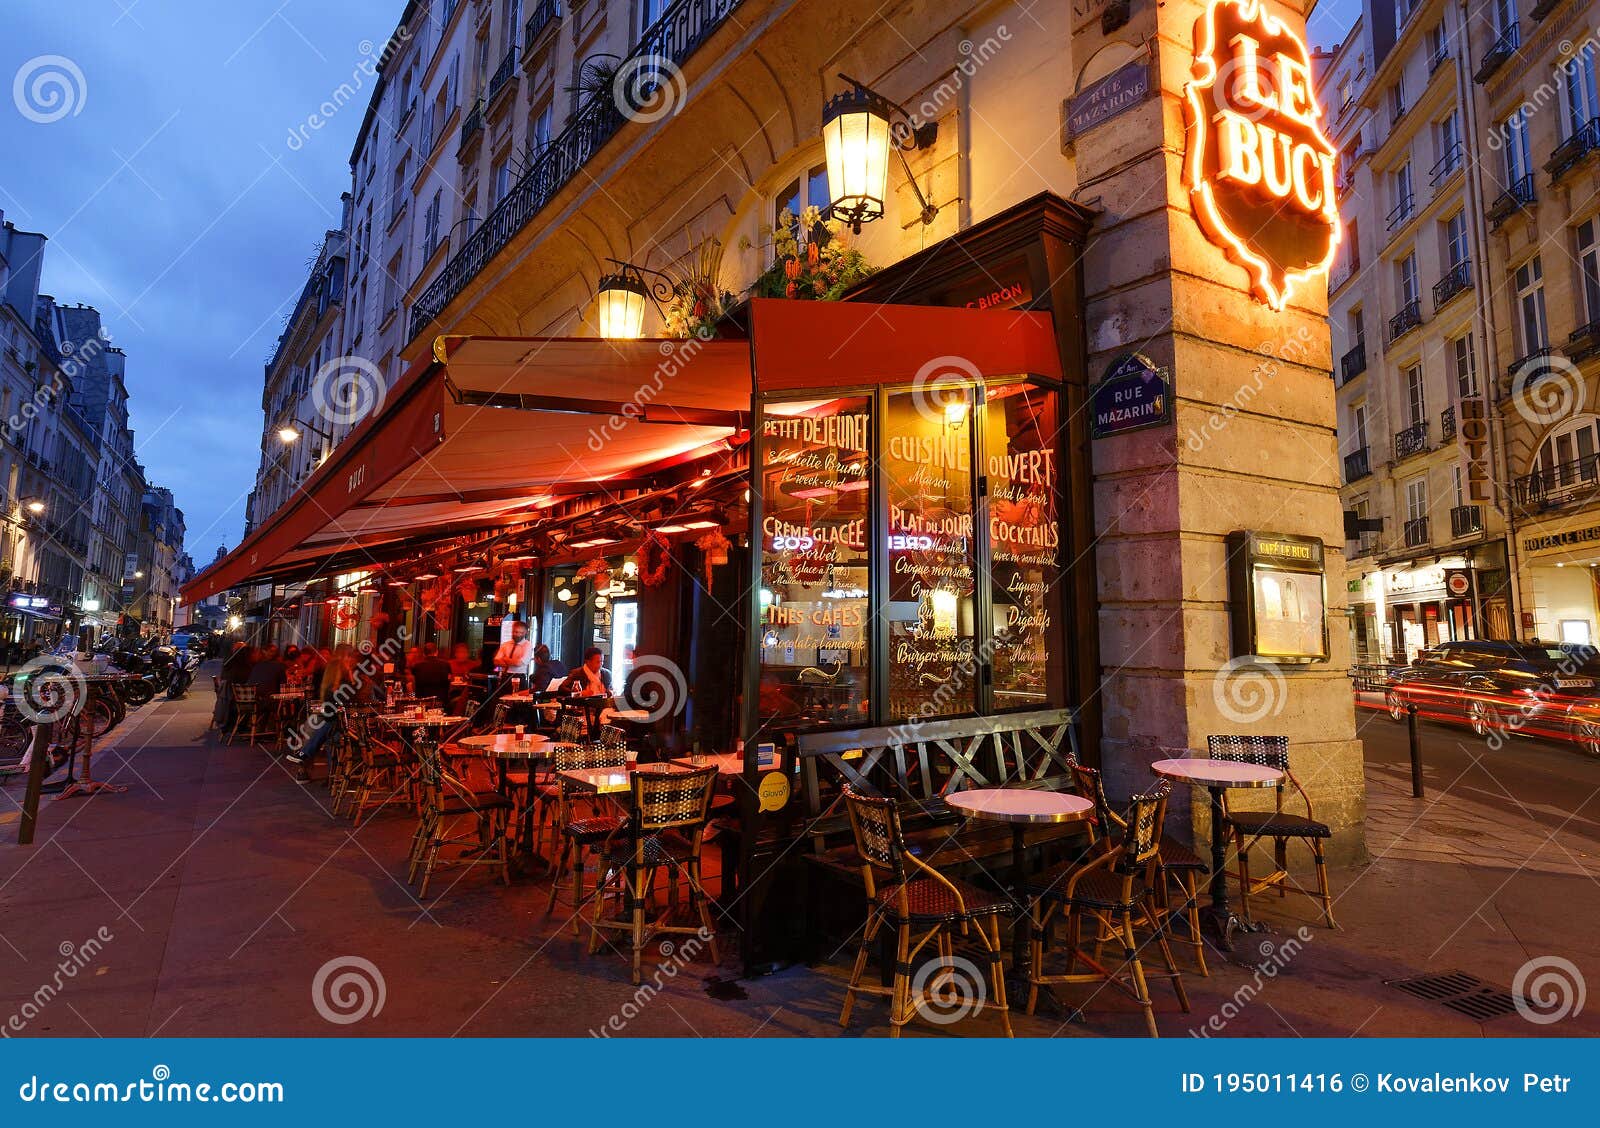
[(1278, 594)]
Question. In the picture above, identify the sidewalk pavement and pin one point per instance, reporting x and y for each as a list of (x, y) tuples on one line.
[(217, 897)]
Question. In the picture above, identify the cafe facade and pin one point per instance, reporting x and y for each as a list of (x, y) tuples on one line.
[(1035, 421)]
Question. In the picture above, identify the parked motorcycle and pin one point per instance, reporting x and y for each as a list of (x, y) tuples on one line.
[(183, 673)]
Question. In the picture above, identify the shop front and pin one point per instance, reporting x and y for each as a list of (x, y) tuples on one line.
[(1560, 566), (1410, 606)]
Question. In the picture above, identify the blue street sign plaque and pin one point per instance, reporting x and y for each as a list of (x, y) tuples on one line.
[(1134, 394)]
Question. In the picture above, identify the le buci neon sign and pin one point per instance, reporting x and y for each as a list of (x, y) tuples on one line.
[(1260, 169)]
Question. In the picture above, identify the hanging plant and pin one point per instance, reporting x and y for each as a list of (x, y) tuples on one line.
[(715, 546), (821, 268), (698, 300), (655, 556), (598, 571)]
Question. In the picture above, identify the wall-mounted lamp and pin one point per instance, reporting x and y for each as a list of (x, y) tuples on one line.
[(859, 127), (622, 295)]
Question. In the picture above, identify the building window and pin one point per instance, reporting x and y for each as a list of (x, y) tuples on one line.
[(1449, 130), (1582, 105), (1416, 398), (1410, 287), (500, 182), (539, 131), (1505, 15), (1358, 327), (1532, 330), (1436, 43), (1568, 455), (430, 225), (1466, 367), (1403, 194), (1358, 425), (1589, 269), (649, 12), (1455, 238), (513, 23), (1417, 498), (808, 191), (1518, 162), (1397, 98)]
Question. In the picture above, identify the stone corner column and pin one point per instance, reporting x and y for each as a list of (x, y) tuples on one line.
[(1252, 446)]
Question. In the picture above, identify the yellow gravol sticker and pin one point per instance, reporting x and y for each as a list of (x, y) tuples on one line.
[(773, 791)]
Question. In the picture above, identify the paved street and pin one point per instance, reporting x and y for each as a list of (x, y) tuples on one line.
[(222, 886)]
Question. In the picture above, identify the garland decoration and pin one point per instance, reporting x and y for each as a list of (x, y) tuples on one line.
[(655, 556)]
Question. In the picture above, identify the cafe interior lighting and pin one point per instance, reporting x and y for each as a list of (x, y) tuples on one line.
[(593, 542), (428, 576), (859, 127), (621, 297)]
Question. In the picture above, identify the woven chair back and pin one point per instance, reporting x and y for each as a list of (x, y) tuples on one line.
[(1265, 751), (876, 824), (1141, 838), (672, 800)]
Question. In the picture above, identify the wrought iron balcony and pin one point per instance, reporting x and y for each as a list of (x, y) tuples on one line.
[(1456, 280), (671, 40), (1501, 50), (1543, 8), (471, 125), (1416, 532), (1532, 368), (1453, 158), (503, 75), (1353, 363), (1412, 440), (1357, 465), (1438, 59), (1466, 520), (1519, 195), (545, 14), (1400, 212), (1563, 484), (1409, 318), (1447, 424), (1584, 140), (1584, 341)]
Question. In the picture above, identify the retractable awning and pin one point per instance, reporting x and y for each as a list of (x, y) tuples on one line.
[(489, 429)]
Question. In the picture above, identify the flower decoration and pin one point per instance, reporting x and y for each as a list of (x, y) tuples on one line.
[(715, 546), (655, 556), (698, 300), (813, 259)]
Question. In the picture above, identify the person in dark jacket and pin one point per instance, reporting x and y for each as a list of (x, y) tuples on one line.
[(269, 673), (430, 675)]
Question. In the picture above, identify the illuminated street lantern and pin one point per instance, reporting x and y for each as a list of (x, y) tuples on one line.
[(859, 127), (621, 297)]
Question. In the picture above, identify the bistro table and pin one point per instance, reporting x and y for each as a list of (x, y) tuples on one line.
[(611, 781), (1020, 808), (1217, 776), (507, 749)]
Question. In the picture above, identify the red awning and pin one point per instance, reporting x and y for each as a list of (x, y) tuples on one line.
[(491, 428)]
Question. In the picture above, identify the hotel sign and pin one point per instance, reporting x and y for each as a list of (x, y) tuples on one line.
[(1562, 540), (1259, 167)]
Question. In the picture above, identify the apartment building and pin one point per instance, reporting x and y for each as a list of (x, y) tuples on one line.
[(1409, 330), (1538, 135)]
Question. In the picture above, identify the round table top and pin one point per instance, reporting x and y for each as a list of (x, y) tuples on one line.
[(399, 719), (1217, 773), (1020, 805), (503, 740), (507, 746), (640, 715)]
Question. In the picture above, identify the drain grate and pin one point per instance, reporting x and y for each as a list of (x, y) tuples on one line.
[(1461, 992)]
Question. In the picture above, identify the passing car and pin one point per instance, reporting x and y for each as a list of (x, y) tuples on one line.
[(1504, 689), (193, 638)]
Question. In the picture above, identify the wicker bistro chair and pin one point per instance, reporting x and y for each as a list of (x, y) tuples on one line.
[(1181, 868), (1250, 827), (251, 714), (1110, 890), (665, 831), (580, 835), (448, 801), (916, 896)]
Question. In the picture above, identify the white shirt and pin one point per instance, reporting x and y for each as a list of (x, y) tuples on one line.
[(512, 657)]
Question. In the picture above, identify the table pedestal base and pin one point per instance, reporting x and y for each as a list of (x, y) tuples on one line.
[(1220, 925)]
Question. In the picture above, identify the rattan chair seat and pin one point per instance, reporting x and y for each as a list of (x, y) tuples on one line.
[(928, 899), (1098, 889), (1176, 856), (1279, 823)]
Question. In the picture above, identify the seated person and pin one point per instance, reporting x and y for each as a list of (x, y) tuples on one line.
[(430, 675), (268, 674), (546, 669), (591, 679)]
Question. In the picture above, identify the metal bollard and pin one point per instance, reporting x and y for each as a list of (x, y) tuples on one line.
[(1416, 751)]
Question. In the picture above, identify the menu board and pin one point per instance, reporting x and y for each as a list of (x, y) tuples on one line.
[(1024, 546), (815, 617), (927, 464)]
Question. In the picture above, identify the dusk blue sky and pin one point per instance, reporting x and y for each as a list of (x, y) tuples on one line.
[(174, 202)]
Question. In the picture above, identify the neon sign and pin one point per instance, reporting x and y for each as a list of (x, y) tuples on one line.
[(1259, 167)]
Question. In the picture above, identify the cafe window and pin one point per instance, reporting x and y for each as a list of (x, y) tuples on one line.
[(953, 605), (808, 191)]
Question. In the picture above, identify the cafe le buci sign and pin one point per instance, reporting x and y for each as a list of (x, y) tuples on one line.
[(1259, 167)]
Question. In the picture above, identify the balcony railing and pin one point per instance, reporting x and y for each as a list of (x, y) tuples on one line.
[(1578, 480), (1447, 425), (1513, 198), (1584, 140), (1353, 363), (1409, 318), (545, 13), (1501, 50), (1584, 341), (1466, 520), (1357, 465), (1543, 8), (503, 74), (1400, 212), (1438, 59), (472, 124), (1412, 440), (1416, 532), (1532, 368), (1456, 280), (670, 40), (1454, 157)]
